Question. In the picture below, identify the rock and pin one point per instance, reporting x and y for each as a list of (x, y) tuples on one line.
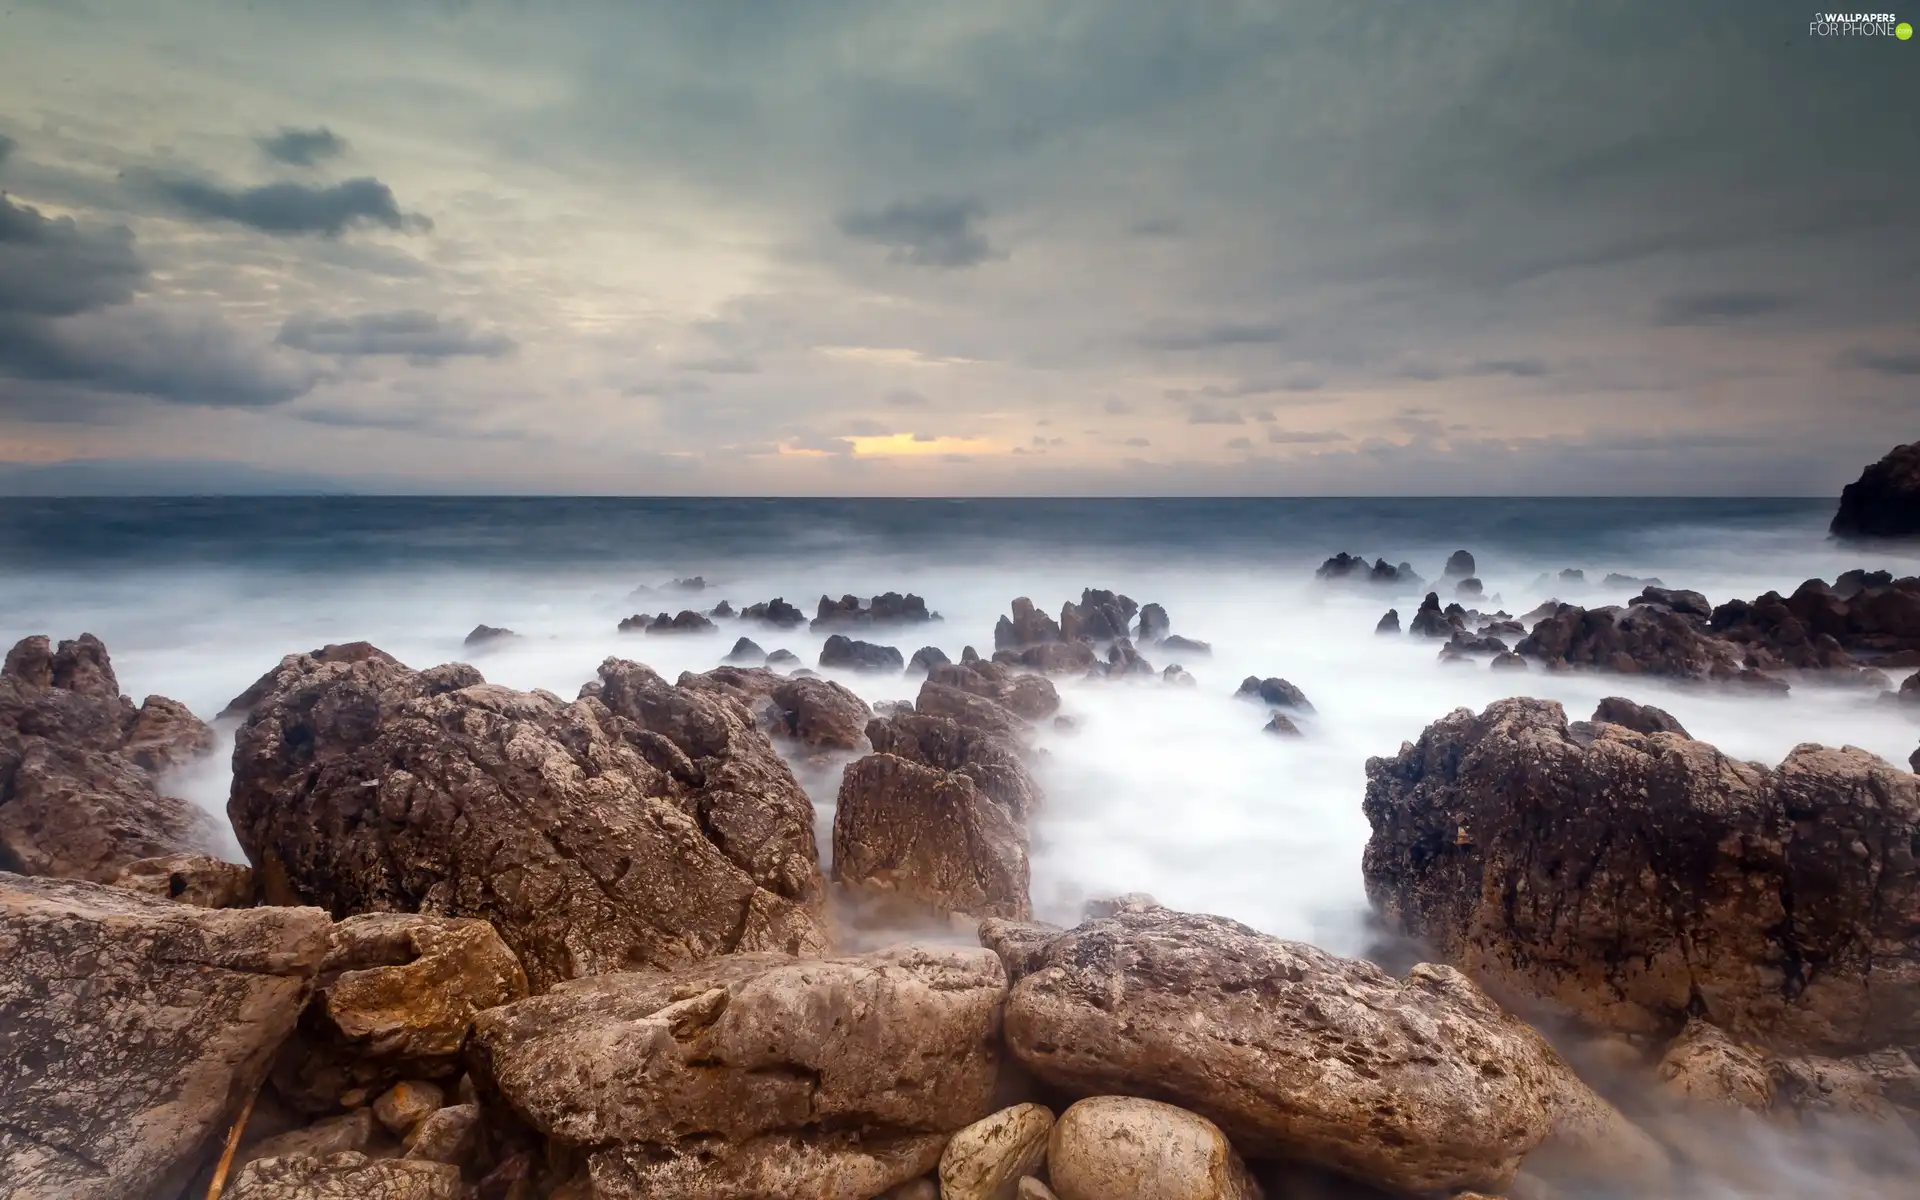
[(1419, 1084), (190, 879), (888, 608), (1616, 580), (1639, 880), (1910, 689), (1885, 501), (1033, 1189), (1389, 623), (1460, 565), (1914, 760), (348, 1177), (1020, 945), (1027, 627), (923, 1188), (642, 825), (1177, 674), (925, 659), (987, 1159), (1641, 718), (747, 651), (721, 611), (1462, 644), (1470, 589), (1154, 624), (1508, 662), (1573, 575), (404, 1105), (1109, 1146), (132, 1029), (484, 634), (1430, 621), (1107, 906), (1176, 644), (449, 1135), (1687, 604), (994, 761), (807, 709), (396, 996), (1122, 660), (1275, 693), (166, 734), (350, 1132), (1703, 1066), (928, 840), (842, 651), (685, 621), (755, 1075), (776, 612), (1282, 726), (1052, 658), (693, 583), (1101, 616), (1645, 640), (781, 658)]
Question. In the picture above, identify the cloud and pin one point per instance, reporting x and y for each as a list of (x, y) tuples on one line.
[(56, 267), (1523, 368), (1239, 443), (1157, 227), (1138, 441), (1118, 408), (935, 232), (285, 209), (420, 337), (303, 147), (905, 398), (1304, 437), (1862, 358), (6, 147), (140, 350), (1213, 337), (721, 364), (1206, 414), (1715, 308)]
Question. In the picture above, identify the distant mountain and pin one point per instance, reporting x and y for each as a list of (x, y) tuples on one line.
[(164, 477)]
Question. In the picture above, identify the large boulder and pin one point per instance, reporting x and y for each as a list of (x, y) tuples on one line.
[(994, 761), (1418, 1084), (1822, 627), (132, 1029), (1646, 639), (1885, 501), (1027, 695), (1639, 880), (1108, 1146), (928, 840), (79, 796), (641, 825), (776, 612), (968, 709), (1640, 718), (812, 711), (1027, 627), (846, 653), (1051, 658), (754, 1075), (1100, 616)]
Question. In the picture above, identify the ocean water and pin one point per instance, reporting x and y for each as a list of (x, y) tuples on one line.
[(1167, 790)]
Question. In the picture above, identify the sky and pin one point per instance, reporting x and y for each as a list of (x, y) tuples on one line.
[(1005, 247)]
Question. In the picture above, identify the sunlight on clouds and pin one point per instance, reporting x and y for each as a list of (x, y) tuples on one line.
[(908, 445), (893, 356)]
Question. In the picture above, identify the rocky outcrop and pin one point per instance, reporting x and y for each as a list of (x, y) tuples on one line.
[(1154, 623), (685, 621), (1274, 693), (888, 608), (925, 840), (926, 658), (994, 761), (1687, 604), (1390, 623), (1175, 644), (809, 710), (1638, 880), (1885, 501), (1460, 565), (846, 653), (1052, 658), (754, 1075), (641, 825), (132, 1029), (1430, 621), (776, 612), (1027, 627), (484, 635), (1353, 568), (746, 652), (1641, 640), (1100, 616), (190, 879), (1640, 718), (1026, 695), (78, 762), (1108, 1146), (969, 710), (1417, 1085), (1818, 628)]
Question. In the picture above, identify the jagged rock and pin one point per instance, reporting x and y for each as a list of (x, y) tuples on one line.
[(1641, 718), (1122, 660), (781, 658), (1885, 501), (842, 651), (131, 1030), (722, 611), (1389, 623), (926, 658), (1645, 640), (776, 612), (1175, 644), (685, 621), (1703, 1066), (394, 1000), (640, 825), (746, 651), (190, 879), (1281, 725), (1418, 1085), (1108, 1146), (888, 608), (987, 1159), (1616, 580), (693, 583), (1349, 567), (755, 1075), (1460, 565), (1275, 693), (1470, 589), (1638, 880), (403, 1106), (1025, 695), (992, 760), (1430, 621), (967, 709), (1504, 627), (1052, 658), (1101, 616), (1573, 575), (166, 734), (485, 634), (1154, 624), (348, 1176), (928, 840), (1462, 643), (1177, 674), (1508, 662), (1687, 604), (1027, 627), (449, 1135), (807, 709)]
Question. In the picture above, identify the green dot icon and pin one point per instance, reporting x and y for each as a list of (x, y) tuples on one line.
[(1903, 31)]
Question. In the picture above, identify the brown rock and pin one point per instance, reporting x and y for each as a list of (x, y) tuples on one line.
[(448, 1135), (1638, 880), (967, 709), (1639, 640), (642, 825), (1703, 1066), (1640, 718), (810, 710), (297, 666), (928, 839), (1026, 695), (348, 1177), (1027, 627), (754, 1075), (1051, 658), (166, 734), (131, 1029), (190, 879), (1032, 1189), (403, 1106), (1419, 1084), (1108, 1146), (993, 761), (986, 1160), (350, 1132)]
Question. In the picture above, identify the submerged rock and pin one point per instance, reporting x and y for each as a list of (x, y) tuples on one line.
[(746, 652), (1175, 644), (1389, 623), (926, 658), (776, 612), (844, 652), (1275, 693), (888, 608), (1460, 565), (1885, 501), (483, 635), (1154, 624), (1430, 621)]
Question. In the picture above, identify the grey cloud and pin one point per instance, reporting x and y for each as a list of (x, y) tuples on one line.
[(1157, 227), (1206, 414), (721, 364), (1523, 368), (420, 337), (865, 427), (1881, 362), (828, 445), (666, 387), (935, 232), (56, 267), (905, 398), (303, 147), (1712, 308), (137, 350), (1239, 443), (1118, 408), (6, 147), (1304, 437), (1138, 441), (285, 209), (1213, 337)]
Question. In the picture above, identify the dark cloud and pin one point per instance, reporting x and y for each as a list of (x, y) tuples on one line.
[(905, 398), (285, 209), (303, 147), (420, 337), (1213, 337), (935, 232), (1207, 414), (1881, 362), (141, 351), (1522, 368), (56, 267), (1714, 308), (1304, 437)]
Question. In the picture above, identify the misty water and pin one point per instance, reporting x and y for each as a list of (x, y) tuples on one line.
[(1163, 789)]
